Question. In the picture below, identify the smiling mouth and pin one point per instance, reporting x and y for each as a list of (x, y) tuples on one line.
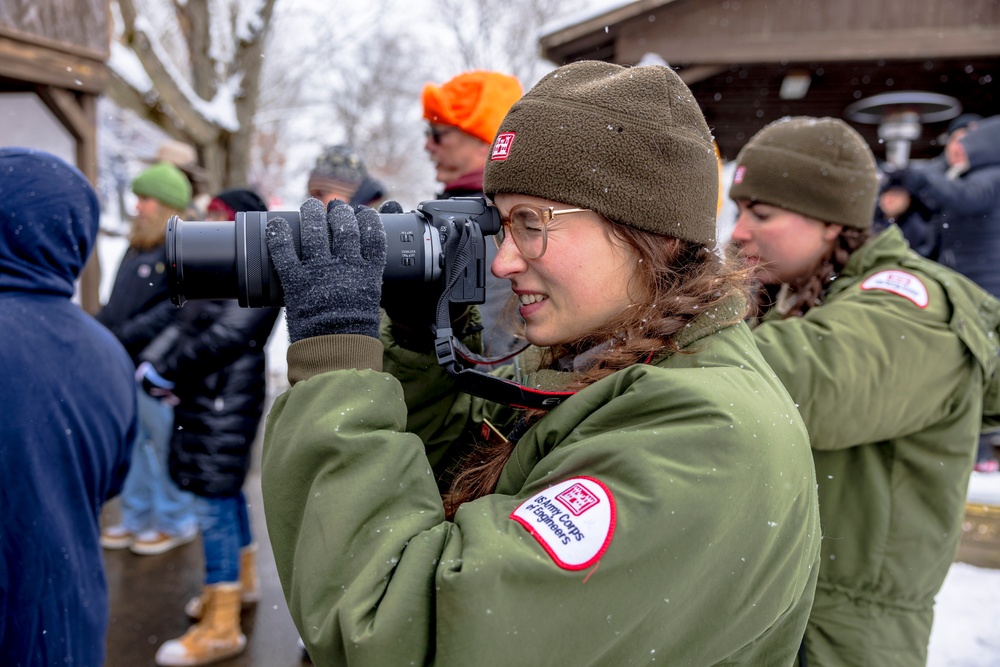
[(528, 299)]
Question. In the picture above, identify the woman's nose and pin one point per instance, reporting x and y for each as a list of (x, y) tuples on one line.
[(741, 232), (508, 260)]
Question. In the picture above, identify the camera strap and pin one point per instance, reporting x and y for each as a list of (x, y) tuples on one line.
[(460, 362)]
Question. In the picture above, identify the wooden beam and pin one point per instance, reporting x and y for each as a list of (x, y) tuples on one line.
[(855, 45), (50, 44), (67, 109), (556, 41), (22, 61)]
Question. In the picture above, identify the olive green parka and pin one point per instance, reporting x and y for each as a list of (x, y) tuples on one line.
[(889, 373), (707, 554)]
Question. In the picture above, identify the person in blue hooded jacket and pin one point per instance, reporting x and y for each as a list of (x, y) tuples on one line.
[(965, 189), (69, 418)]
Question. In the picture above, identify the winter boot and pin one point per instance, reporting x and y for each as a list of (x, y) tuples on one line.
[(215, 637), (249, 580)]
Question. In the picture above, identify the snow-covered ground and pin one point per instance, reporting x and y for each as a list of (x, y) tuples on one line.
[(966, 630)]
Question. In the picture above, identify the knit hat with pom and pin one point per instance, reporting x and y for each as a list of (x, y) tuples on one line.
[(630, 143)]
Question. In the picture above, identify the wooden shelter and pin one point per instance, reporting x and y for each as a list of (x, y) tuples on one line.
[(58, 50), (749, 62)]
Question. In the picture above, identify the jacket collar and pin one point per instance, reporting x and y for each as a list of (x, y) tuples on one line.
[(730, 311)]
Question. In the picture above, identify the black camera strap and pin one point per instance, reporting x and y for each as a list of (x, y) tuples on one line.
[(460, 362)]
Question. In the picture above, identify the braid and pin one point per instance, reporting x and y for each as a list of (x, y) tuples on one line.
[(810, 290), (680, 281)]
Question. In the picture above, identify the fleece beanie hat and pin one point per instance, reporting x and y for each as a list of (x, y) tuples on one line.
[(165, 183), (818, 167), (337, 168), (630, 143), (474, 102)]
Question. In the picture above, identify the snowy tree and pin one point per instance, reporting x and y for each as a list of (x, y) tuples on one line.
[(502, 36), (194, 69)]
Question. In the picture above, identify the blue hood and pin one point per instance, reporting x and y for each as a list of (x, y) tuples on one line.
[(982, 143), (49, 215)]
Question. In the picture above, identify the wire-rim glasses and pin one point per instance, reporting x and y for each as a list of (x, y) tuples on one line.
[(527, 225)]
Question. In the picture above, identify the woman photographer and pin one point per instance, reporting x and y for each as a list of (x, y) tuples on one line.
[(664, 510), (888, 356)]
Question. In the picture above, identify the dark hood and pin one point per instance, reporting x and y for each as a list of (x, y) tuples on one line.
[(982, 143), (49, 215)]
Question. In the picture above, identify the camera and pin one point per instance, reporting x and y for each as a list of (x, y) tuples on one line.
[(442, 239)]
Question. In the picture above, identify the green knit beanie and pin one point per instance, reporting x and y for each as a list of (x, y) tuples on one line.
[(630, 143), (817, 167), (165, 183)]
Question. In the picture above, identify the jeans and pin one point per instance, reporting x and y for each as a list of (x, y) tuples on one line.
[(150, 500), (987, 443), (225, 529)]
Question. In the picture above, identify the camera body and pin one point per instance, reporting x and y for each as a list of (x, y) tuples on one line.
[(230, 260)]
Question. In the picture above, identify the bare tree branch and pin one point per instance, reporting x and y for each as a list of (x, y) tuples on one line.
[(173, 103), (195, 23)]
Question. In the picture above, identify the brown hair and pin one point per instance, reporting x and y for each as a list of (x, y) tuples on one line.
[(681, 281), (810, 289)]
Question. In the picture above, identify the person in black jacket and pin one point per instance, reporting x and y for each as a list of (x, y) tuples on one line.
[(212, 361), (913, 217), (156, 515)]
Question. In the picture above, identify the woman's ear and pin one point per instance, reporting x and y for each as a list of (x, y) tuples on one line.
[(832, 231)]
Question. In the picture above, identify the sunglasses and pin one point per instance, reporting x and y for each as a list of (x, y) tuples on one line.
[(436, 133)]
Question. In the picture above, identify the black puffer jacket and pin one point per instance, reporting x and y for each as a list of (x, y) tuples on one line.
[(214, 353), (138, 308), (969, 206)]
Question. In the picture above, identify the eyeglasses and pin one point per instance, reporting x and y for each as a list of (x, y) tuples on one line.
[(436, 133), (526, 224)]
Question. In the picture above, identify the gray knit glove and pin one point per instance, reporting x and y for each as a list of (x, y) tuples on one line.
[(336, 286)]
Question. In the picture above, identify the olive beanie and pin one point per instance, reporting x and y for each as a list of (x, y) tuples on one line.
[(630, 143), (817, 167), (165, 183)]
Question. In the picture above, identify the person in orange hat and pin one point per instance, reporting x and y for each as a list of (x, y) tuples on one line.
[(463, 117)]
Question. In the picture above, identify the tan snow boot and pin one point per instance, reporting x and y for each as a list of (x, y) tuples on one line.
[(249, 580), (215, 637)]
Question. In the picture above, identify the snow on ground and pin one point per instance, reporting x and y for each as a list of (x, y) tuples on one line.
[(985, 488), (966, 630)]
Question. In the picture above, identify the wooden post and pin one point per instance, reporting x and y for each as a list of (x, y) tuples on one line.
[(77, 112)]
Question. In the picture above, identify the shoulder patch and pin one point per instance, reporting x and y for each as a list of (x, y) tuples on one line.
[(573, 521), (902, 283)]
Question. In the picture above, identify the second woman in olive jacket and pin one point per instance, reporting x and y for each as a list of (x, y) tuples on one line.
[(891, 359)]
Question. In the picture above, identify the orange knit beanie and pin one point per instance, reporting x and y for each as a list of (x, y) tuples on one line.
[(475, 102)]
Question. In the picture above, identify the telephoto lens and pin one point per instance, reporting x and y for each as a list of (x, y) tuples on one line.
[(230, 260)]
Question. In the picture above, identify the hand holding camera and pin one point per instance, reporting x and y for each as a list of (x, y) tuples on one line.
[(336, 285)]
